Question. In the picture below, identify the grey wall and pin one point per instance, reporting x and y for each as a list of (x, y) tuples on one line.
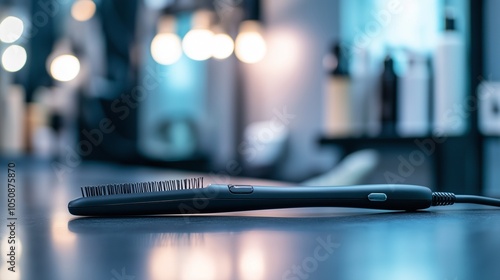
[(298, 33)]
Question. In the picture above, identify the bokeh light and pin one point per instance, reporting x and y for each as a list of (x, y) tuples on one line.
[(222, 46), (14, 58), (250, 45), (166, 48), (197, 44), (83, 10), (65, 68), (11, 29)]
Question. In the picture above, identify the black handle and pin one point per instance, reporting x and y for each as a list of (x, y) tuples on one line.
[(229, 198)]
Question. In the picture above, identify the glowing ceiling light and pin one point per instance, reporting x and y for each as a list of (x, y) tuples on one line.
[(250, 45), (166, 48), (14, 58), (83, 10), (65, 68), (11, 29), (222, 46), (197, 44)]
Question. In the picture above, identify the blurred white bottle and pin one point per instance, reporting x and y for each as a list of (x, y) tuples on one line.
[(13, 122), (362, 84), (449, 85), (413, 101)]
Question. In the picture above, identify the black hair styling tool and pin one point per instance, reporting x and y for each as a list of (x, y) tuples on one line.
[(189, 196)]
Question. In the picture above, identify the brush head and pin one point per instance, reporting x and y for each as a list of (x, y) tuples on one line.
[(142, 187)]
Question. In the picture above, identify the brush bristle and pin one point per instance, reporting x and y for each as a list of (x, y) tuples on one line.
[(142, 187)]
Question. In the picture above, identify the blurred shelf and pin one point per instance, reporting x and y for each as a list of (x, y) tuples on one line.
[(355, 143), (379, 140), (197, 163)]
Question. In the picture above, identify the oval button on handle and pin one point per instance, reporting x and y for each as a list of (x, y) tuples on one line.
[(377, 197), (241, 189)]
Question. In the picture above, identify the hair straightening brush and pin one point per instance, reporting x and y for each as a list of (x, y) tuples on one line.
[(189, 196)]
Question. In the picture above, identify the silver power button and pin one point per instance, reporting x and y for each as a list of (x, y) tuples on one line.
[(377, 197), (241, 189)]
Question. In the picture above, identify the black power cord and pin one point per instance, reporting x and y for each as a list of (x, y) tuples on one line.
[(448, 198)]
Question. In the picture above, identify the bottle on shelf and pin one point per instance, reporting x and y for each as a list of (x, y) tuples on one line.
[(449, 83), (337, 115), (413, 98), (389, 91)]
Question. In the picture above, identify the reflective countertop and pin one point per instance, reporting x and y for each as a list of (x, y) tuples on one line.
[(458, 242)]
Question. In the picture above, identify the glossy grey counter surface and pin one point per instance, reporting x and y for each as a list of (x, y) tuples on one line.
[(445, 243)]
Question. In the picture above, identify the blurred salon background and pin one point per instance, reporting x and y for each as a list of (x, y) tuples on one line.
[(325, 92)]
